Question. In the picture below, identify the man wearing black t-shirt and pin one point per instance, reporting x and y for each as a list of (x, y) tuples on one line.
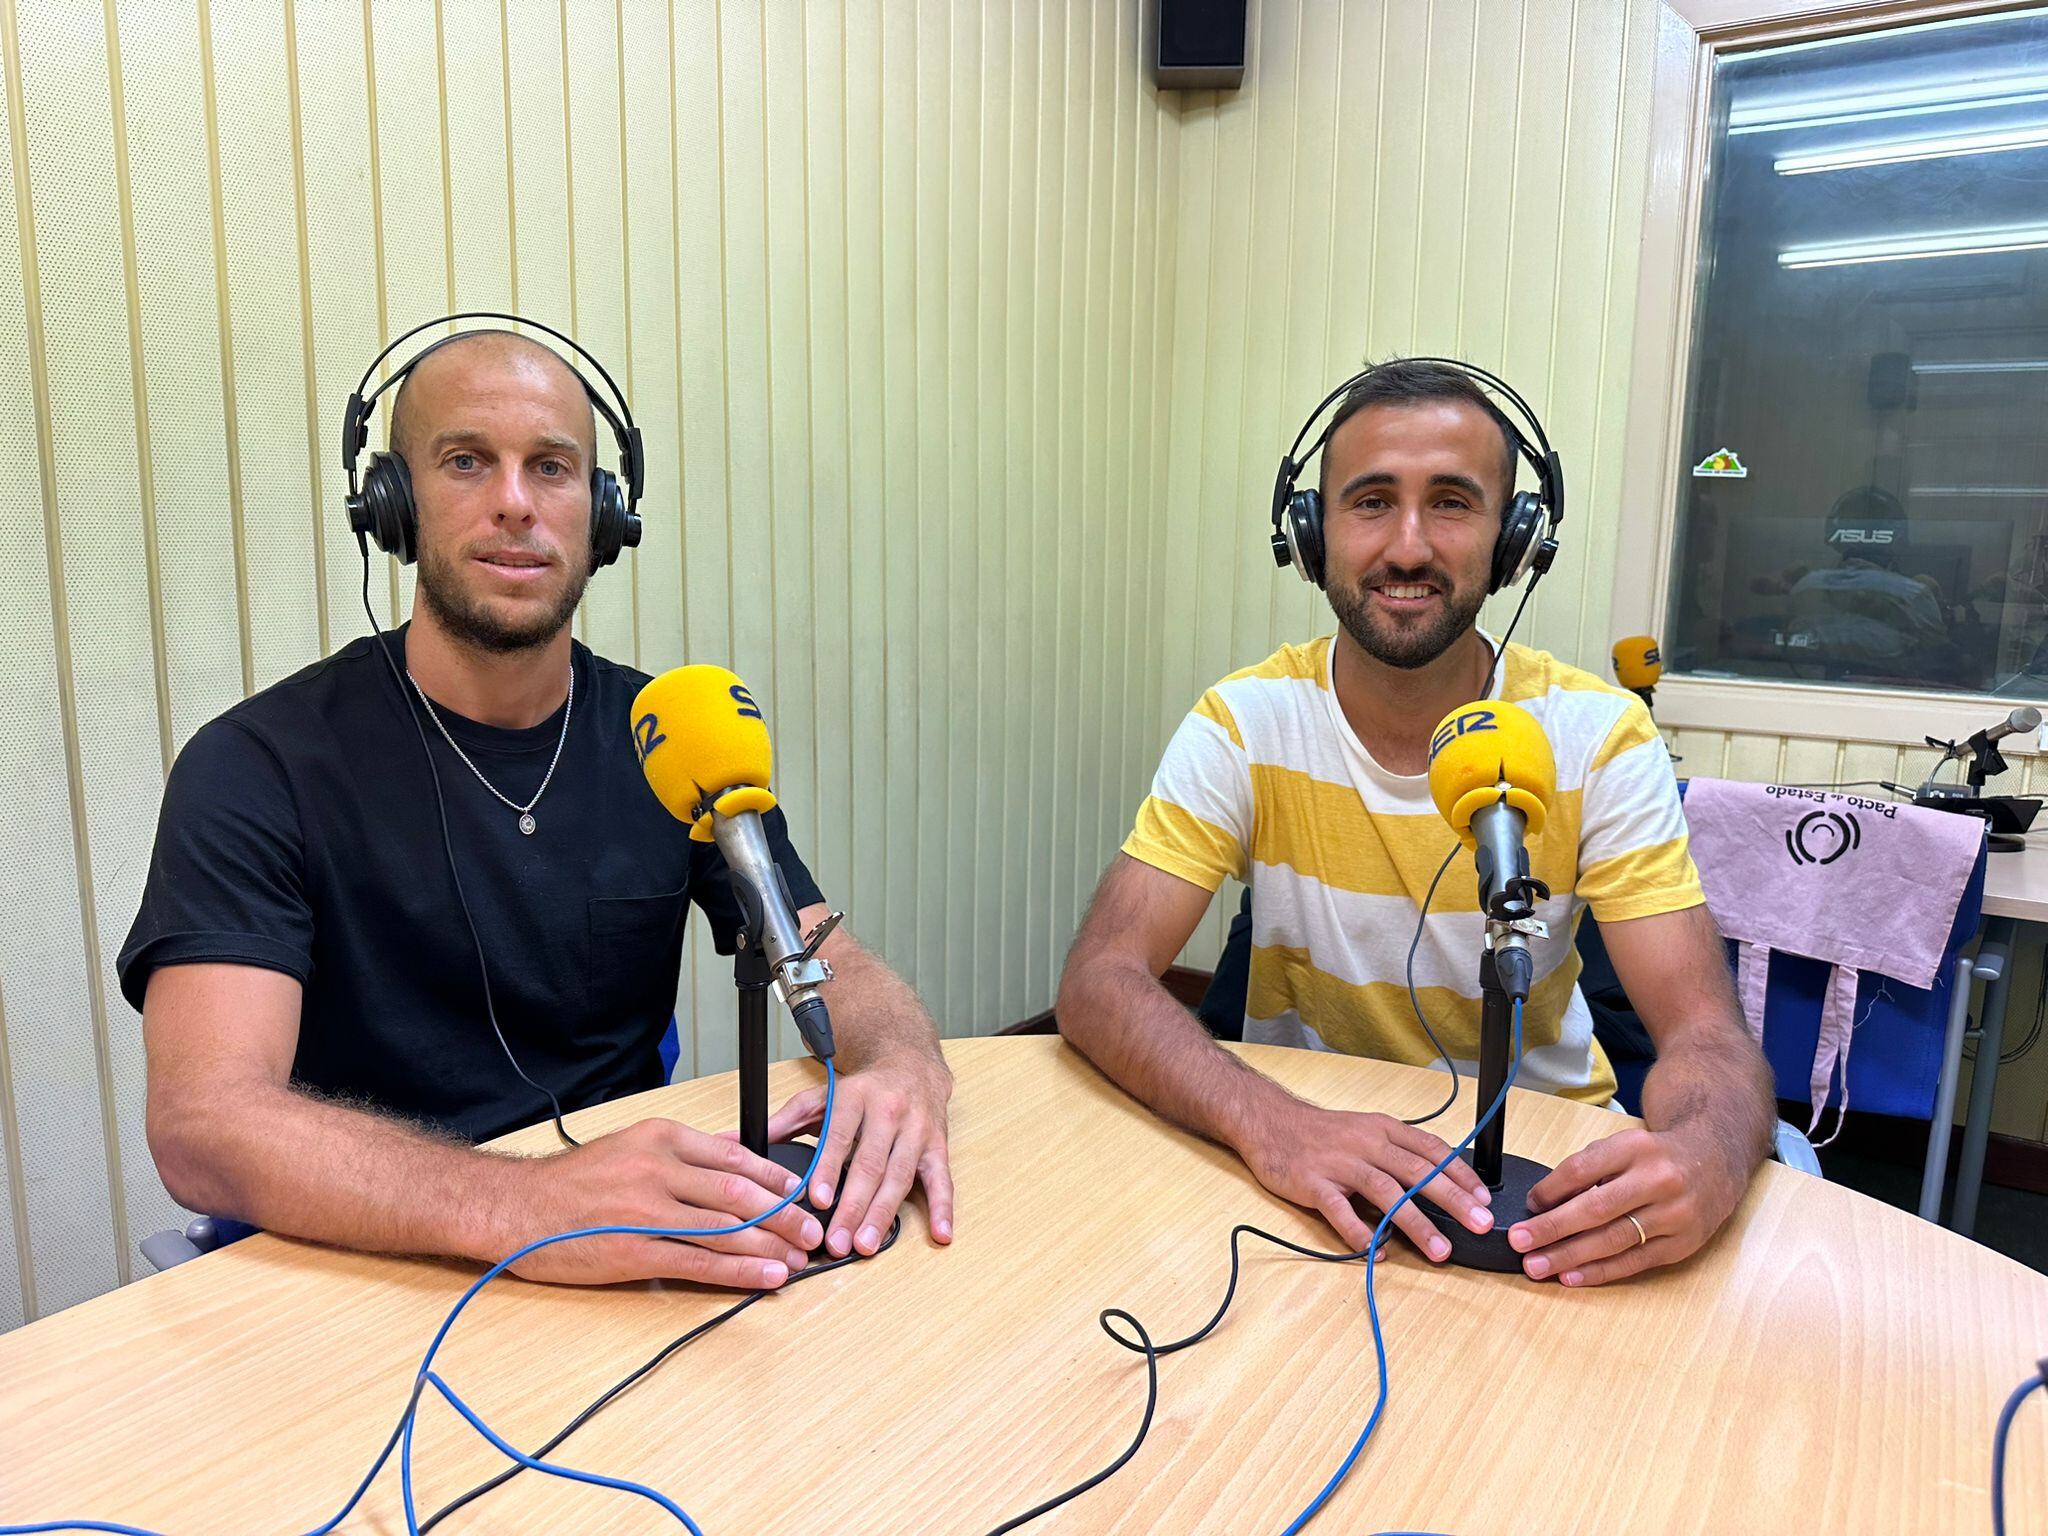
[(319, 1054)]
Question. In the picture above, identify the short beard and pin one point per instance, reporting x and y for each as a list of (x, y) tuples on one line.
[(474, 624), (1409, 646)]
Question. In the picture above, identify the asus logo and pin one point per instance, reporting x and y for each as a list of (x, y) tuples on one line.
[(1863, 535)]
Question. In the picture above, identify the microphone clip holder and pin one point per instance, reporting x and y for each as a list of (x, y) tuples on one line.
[(1979, 750), (1514, 904), (804, 969)]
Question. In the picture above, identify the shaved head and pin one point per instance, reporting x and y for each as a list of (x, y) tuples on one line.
[(477, 351)]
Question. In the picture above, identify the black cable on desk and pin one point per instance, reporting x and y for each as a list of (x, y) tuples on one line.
[(605, 1398), (1143, 1345), (1144, 1424)]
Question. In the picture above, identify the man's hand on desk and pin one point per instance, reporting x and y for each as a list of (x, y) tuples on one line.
[(891, 1114), (1320, 1158), (658, 1173), (1676, 1184)]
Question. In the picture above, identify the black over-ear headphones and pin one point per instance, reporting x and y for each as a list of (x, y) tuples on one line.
[(383, 507), (1525, 544)]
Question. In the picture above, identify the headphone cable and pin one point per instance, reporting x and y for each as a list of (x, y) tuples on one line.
[(379, 642)]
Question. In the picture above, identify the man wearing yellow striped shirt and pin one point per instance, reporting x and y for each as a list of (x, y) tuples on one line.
[(1306, 777)]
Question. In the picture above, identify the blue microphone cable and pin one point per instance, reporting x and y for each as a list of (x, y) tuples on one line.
[(1372, 1305), (400, 1438), (2005, 1417)]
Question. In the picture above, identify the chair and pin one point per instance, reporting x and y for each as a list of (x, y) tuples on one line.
[(1615, 1025), (202, 1234), (1908, 1041)]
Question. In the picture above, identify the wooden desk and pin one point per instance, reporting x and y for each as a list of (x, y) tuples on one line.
[(1830, 1364), (2016, 884)]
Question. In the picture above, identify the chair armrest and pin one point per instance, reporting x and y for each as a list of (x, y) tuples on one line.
[(1790, 1147), (202, 1234), (165, 1250)]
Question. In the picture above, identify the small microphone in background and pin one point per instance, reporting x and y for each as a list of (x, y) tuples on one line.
[(1638, 665)]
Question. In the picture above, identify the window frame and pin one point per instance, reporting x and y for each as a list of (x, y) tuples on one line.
[(1690, 35)]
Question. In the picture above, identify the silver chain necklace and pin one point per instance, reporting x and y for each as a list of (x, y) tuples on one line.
[(526, 822)]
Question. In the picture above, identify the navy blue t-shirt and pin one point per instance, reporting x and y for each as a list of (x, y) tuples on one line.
[(299, 833)]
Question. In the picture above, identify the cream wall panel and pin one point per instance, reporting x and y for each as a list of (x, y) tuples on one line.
[(169, 197), (341, 290), (787, 518), (652, 374), (69, 1203), (44, 972), (470, 65), (258, 229), (600, 306), (963, 125), (1022, 541)]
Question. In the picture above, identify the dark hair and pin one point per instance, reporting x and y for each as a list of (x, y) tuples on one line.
[(1409, 381)]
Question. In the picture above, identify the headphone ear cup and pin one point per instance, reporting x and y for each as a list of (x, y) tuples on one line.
[(608, 519), (384, 509), (1515, 549), (1303, 526)]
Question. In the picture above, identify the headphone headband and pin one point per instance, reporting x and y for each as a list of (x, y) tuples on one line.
[(355, 422), (1527, 541), (1541, 457)]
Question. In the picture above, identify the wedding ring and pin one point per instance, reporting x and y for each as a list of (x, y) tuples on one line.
[(1642, 1237)]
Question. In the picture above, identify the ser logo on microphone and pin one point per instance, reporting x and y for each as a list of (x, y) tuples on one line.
[(647, 734), (1467, 724)]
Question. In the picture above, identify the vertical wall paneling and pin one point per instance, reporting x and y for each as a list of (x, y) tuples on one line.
[(66, 1216)]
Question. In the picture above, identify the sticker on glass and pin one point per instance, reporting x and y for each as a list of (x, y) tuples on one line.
[(1721, 464)]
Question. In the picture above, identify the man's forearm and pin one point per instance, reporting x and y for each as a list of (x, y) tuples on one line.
[(1720, 1089), (1123, 1020), (306, 1167), (875, 1013)]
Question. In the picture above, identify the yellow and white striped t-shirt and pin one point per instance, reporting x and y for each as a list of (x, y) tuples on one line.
[(1266, 782)]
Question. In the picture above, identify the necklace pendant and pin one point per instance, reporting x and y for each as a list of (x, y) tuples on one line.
[(527, 823)]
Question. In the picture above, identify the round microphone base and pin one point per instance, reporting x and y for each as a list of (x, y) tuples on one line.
[(1489, 1250), (796, 1157)]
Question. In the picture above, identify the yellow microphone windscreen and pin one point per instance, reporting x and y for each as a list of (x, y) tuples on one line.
[(699, 733), (1478, 747), (1637, 662)]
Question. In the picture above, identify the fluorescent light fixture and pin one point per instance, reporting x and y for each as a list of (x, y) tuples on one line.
[(1916, 29), (1900, 151), (1959, 242), (2013, 365), (1979, 490), (1881, 106)]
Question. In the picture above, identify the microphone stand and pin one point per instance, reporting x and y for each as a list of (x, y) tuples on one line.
[(1510, 920), (750, 979)]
